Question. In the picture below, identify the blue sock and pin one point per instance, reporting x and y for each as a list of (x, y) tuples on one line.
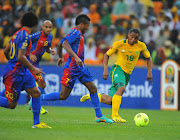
[(96, 103), (42, 90), (50, 97), (36, 107), (4, 102), (2, 93)]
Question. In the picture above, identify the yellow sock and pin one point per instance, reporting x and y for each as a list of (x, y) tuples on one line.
[(99, 95), (116, 101)]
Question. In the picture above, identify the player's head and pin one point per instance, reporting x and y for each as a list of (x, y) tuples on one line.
[(29, 19), (133, 36), (47, 27), (83, 21)]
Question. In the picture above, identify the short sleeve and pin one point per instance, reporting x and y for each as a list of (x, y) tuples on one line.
[(71, 37), (35, 36), (114, 48), (145, 51), (24, 41)]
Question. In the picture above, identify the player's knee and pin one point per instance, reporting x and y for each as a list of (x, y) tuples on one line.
[(63, 97), (43, 85), (36, 94), (93, 90)]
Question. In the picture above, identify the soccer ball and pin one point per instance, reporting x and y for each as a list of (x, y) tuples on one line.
[(141, 119)]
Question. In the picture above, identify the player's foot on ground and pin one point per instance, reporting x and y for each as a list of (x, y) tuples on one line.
[(118, 119), (30, 104), (43, 111), (103, 119), (41, 125), (85, 98)]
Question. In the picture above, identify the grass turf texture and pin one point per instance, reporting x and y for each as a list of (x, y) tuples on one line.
[(70, 123)]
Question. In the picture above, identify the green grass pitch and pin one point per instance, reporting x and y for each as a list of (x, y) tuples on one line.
[(71, 123)]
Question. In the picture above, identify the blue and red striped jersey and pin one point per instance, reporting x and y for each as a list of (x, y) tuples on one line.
[(76, 41), (40, 43), (19, 40)]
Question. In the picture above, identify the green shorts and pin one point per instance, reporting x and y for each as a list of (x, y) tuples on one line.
[(119, 79)]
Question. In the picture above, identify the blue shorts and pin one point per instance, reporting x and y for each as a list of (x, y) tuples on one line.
[(69, 78), (15, 83)]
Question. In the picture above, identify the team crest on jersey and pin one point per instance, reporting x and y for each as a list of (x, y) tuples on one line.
[(14, 37), (24, 45), (45, 43), (137, 52)]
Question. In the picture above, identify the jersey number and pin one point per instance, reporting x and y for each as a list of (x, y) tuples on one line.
[(130, 58), (12, 50)]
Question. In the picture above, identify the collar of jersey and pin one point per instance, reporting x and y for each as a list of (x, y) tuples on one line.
[(77, 29), (42, 33), (25, 30)]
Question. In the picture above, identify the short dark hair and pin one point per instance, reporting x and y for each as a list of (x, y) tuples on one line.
[(135, 31), (29, 19), (82, 19)]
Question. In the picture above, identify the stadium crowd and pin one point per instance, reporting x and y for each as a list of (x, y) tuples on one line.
[(158, 21)]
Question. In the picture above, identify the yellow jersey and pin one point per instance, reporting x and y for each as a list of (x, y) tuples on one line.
[(128, 55)]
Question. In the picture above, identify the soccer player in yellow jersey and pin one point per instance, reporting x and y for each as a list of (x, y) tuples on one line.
[(128, 54)]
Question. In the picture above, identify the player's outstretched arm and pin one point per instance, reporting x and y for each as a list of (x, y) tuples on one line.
[(67, 47), (149, 73), (22, 58), (7, 51), (105, 64)]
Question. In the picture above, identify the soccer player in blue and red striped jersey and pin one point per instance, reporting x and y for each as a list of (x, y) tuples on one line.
[(17, 76), (41, 42), (75, 69)]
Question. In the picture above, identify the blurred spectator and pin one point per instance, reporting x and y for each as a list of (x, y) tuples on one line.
[(7, 37), (119, 35), (158, 21), (68, 24), (93, 14), (158, 56), (168, 46), (150, 36), (161, 39), (110, 35), (137, 8), (120, 8), (69, 8), (105, 19), (90, 50)]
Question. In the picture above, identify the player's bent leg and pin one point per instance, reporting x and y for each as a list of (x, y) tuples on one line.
[(106, 99), (65, 92)]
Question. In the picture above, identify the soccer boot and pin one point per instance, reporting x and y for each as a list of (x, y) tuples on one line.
[(118, 119), (41, 125), (103, 119), (85, 98), (30, 104), (43, 111)]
